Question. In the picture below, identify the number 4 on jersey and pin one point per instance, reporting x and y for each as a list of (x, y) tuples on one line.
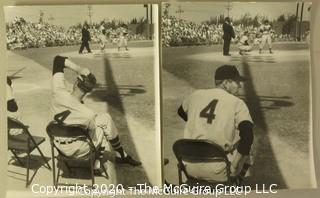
[(208, 111)]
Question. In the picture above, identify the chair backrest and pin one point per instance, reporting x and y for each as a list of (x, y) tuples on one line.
[(198, 151), (15, 124), (55, 129)]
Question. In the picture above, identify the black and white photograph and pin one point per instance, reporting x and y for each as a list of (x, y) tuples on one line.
[(81, 92), (236, 94)]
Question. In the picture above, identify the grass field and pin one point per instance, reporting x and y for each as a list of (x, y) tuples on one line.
[(277, 94)]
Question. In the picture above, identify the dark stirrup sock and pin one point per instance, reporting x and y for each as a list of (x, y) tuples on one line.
[(116, 145), (244, 170)]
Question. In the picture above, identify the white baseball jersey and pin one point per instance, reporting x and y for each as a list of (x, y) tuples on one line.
[(244, 39), (102, 39), (9, 93), (14, 115), (214, 114), (265, 29), (62, 100), (69, 109)]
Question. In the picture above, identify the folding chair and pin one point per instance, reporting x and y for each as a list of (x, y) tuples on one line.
[(24, 143), (56, 130), (189, 150)]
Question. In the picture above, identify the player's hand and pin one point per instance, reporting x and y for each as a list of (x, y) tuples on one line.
[(85, 72)]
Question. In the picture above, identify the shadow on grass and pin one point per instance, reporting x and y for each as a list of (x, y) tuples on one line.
[(106, 93), (126, 175), (265, 169), (36, 162), (199, 75)]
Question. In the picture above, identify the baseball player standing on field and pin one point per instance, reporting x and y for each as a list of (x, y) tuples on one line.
[(85, 38), (265, 30), (218, 115), (103, 40), (68, 107), (228, 34), (123, 39)]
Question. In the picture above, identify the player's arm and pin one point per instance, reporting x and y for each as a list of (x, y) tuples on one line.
[(182, 113), (61, 62), (244, 146), (244, 124), (11, 103), (183, 109)]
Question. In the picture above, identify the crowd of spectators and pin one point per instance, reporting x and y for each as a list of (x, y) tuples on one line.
[(23, 34), (179, 32)]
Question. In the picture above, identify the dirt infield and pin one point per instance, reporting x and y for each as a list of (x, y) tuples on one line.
[(278, 97), (126, 91)]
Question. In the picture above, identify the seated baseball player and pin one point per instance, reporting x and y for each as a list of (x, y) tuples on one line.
[(243, 44), (12, 107), (218, 115), (68, 107)]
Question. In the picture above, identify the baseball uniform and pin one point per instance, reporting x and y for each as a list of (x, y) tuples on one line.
[(266, 35), (213, 114), (12, 108), (123, 41), (72, 111), (102, 41), (243, 44)]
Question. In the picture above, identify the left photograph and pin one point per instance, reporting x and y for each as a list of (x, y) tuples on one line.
[(81, 96)]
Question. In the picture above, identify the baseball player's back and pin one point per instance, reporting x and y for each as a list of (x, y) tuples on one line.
[(214, 114)]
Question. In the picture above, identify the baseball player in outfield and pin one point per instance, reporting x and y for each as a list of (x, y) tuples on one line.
[(265, 30), (68, 107), (218, 115)]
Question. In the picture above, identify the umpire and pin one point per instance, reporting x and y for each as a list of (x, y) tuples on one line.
[(228, 33), (85, 39)]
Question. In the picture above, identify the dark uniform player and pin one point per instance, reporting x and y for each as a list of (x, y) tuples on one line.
[(85, 39), (228, 34)]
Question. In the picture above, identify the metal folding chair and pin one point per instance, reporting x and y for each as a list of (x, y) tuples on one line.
[(189, 150), (24, 143), (56, 130)]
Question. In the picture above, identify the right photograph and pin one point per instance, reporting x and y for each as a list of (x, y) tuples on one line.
[(236, 100)]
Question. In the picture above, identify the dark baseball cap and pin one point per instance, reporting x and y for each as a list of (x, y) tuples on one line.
[(228, 72)]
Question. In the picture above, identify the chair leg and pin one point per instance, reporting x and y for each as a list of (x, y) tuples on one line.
[(103, 168), (58, 176), (179, 174), (17, 158), (44, 159), (28, 166), (92, 170), (54, 171)]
